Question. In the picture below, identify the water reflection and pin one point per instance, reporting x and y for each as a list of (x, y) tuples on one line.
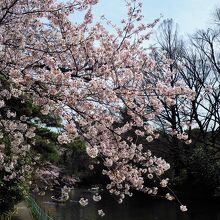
[(135, 208)]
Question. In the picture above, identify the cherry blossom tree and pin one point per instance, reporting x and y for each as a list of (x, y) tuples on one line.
[(85, 74)]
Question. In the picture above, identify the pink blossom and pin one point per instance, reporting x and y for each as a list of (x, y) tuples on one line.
[(63, 138), (101, 213), (97, 198), (92, 151), (183, 208), (83, 202)]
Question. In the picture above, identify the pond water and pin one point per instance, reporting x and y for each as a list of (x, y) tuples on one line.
[(139, 207)]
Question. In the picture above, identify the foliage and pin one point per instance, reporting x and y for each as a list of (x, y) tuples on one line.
[(11, 194), (203, 171), (12, 187), (73, 155), (46, 144)]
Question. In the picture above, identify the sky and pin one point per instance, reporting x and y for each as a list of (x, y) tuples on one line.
[(189, 14)]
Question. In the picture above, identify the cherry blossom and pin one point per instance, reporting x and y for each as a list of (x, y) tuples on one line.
[(101, 213), (169, 197), (88, 75), (183, 208), (96, 198), (83, 202)]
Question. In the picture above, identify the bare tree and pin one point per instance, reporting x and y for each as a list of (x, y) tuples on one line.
[(196, 65)]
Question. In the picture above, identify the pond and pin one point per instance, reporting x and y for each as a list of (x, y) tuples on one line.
[(139, 207)]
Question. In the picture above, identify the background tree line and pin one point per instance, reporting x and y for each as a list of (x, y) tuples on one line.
[(195, 62)]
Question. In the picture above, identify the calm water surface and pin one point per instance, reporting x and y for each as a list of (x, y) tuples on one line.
[(135, 208)]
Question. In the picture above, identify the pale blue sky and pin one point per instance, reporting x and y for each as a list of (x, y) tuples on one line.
[(189, 14)]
